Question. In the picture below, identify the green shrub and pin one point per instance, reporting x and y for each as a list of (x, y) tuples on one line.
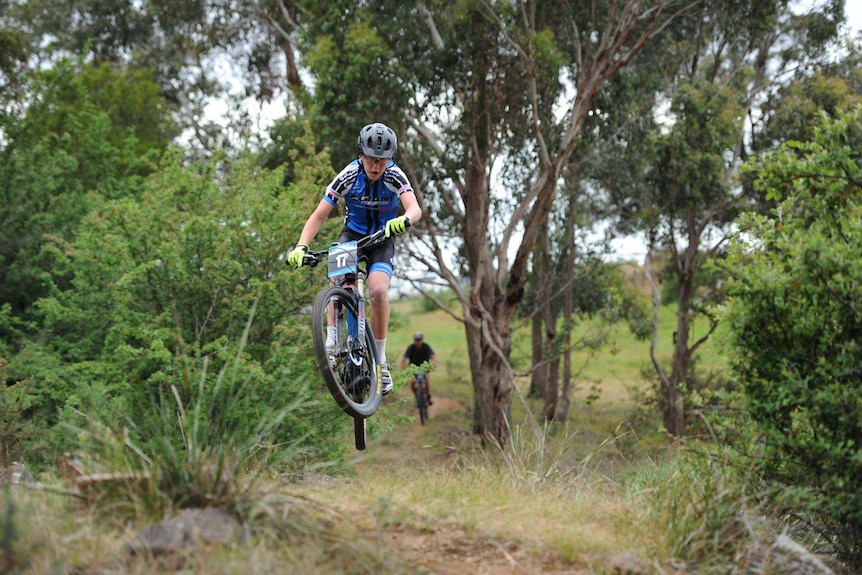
[(795, 327), (164, 278)]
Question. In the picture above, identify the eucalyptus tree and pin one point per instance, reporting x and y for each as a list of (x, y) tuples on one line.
[(535, 137), (491, 99), (717, 65), (574, 282), (794, 110)]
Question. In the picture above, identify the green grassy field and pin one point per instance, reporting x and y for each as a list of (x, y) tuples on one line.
[(605, 378)]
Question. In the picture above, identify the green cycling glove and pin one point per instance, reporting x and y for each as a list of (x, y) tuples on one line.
[(397, 225), (295, 256)]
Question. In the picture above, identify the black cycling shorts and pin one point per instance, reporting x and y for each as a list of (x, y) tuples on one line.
[(380, 257)]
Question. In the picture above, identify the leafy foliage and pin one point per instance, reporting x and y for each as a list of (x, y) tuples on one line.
[(82, 133), (168, 277), (795, 323)]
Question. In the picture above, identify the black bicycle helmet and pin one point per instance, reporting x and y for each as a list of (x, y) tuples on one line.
[(378, 141)]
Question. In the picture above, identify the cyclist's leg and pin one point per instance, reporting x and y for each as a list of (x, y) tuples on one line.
[(378, 288), (380, 270), (379, 277), (378, 296)]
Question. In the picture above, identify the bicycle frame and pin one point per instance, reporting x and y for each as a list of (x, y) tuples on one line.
[(344, 271)]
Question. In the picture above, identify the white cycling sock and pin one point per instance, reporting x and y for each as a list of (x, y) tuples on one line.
[(381, 349), (331, 334)]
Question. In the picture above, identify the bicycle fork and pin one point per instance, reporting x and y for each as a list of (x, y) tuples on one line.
[(356, 325)]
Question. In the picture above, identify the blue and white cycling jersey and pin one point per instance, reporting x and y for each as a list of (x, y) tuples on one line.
[(369, 204)]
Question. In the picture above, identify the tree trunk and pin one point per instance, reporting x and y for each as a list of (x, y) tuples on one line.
[(489, 366), (686, 266), (544, 288), (675, 418), (552, 361), (568, 312), (488, 313), (539, 379), (552, 392)]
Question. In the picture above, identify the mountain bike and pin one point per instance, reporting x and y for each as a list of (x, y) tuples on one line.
[(350, 369), (422, 397)]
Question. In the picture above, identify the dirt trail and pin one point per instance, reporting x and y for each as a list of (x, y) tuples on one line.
[(451, 549)]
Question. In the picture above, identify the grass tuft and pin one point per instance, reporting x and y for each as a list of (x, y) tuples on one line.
[(702, 516)]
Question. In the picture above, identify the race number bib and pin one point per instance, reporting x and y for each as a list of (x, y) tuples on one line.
[(343, 259)]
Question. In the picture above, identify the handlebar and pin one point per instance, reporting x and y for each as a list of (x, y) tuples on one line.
[(313, 258)]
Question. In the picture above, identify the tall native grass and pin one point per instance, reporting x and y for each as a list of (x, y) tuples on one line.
[(14, 557), (188, 454), (705, 514)]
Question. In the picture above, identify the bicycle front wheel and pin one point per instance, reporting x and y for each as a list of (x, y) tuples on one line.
[(349, 367), (422, 403)]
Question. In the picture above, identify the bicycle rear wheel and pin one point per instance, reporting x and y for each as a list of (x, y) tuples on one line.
[(350, 370)]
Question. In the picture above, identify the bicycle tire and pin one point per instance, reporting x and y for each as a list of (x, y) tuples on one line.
[(422, 402), (352, 373), (359, 432)]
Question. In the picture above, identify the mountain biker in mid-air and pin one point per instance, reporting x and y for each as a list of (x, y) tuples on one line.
[(417, 354), (371, 186)]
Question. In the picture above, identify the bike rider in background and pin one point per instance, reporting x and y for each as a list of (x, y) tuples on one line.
[(371, 187), (418, 353)]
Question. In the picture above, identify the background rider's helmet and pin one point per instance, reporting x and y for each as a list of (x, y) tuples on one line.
[(378, 141), (417, 335)]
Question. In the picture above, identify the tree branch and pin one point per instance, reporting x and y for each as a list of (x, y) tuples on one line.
[(428, 18)]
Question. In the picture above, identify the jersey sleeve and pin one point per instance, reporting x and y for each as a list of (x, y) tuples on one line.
[(396, 180), (341, 183)]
